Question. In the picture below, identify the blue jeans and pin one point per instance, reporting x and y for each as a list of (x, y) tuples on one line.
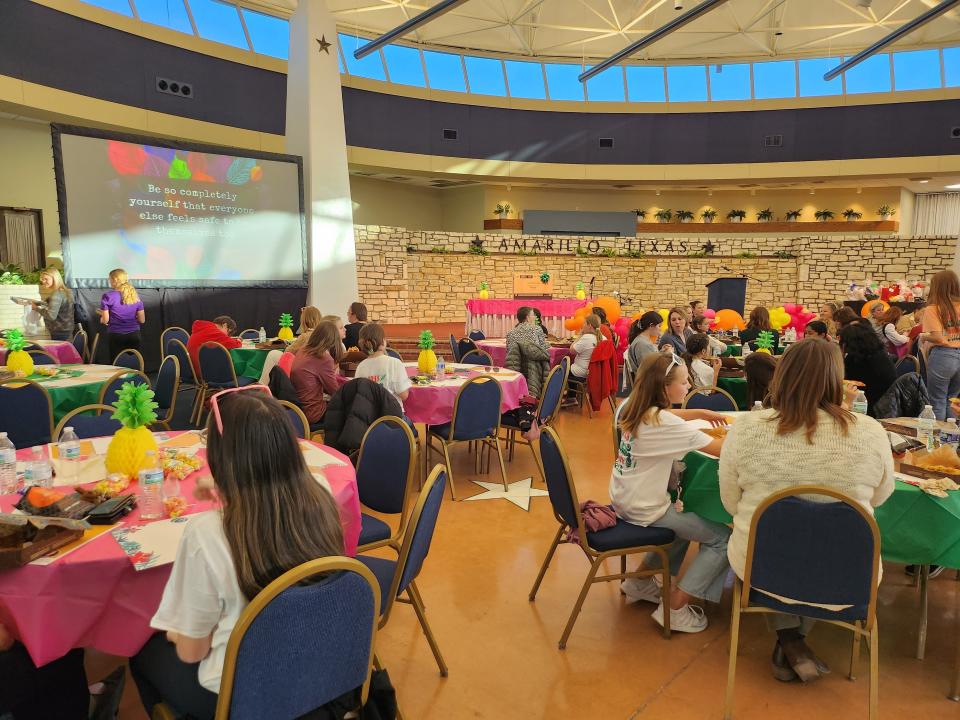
[(943, 379), (708, 571)]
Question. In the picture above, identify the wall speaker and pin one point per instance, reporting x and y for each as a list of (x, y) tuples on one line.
[(450, 134), (955, 133), (606, 143), (773, 140), (174, 87)]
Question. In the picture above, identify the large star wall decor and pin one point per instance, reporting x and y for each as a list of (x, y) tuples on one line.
[(324, 45)]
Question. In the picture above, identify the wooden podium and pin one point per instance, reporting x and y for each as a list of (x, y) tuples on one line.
[(529, 286)]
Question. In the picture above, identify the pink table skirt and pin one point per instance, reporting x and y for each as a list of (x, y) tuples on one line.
[(63, 351), (498, 351), (433, 404), (94, 598), (495, 317)]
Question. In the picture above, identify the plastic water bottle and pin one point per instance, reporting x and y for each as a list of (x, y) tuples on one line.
[(263, 335), (8, 465), (69, 450), (41, 472), (151, 488), (951, 436), (860, 403), (927, 427), (757, 406), (441, 367)]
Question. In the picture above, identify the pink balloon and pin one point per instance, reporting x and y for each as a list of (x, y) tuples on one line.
[(708, 313), (622, 329), (792, 308)]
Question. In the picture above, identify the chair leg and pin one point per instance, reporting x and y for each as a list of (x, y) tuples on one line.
[(503, 468), (431, 640), (855, 652), (511, 444), (546, 562), (575, 613), (874, 671), (924, 573), (623, 564), (734, 644), (955, 685), (446, 455), (536, 461)]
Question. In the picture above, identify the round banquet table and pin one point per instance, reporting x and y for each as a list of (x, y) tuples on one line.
[(497, 349), (93, 596), (433, 404), (496, 317), (75, 386), (248, 361), (62, 350), (737, 387)]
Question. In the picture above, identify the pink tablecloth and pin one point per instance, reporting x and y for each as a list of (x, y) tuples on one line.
[(496, 317), (63, 351), (433, 404), (497, 348), (94, 598)]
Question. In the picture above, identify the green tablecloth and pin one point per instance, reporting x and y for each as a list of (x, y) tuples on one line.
[(915, 528), (76, 386), (733, 351), (249, 361), (737, 387)]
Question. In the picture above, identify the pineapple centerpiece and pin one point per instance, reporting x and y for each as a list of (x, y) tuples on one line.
[(127, 453), (581, 293), (286, 327), (427, 360), (764, 342), (18, 359), (484, 290)]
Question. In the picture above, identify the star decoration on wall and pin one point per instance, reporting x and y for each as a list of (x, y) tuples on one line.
[(708, 247), (519, 493), (324, 45)]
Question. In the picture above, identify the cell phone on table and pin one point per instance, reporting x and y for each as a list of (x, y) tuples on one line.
[(109, 512)]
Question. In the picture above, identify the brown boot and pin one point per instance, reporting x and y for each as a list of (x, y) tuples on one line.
[(801, 659)]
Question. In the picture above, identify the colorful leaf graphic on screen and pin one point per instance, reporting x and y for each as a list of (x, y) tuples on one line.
[(256, 174), (198, 167), (239, 171), (126, 159), (179, 170), (157, 161), (217, 167)]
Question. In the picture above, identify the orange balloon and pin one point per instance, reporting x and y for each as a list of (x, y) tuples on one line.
[(573, 324), (867, 307), (728, 320), (582, 312), (610, 306)]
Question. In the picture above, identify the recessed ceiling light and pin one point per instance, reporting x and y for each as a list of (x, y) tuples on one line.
[(923, 180), (952, 187)]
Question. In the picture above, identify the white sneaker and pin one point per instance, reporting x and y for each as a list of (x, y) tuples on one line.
[(688, 619), (637, 589)]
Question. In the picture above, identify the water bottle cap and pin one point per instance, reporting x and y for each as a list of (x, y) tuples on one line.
[(928, 407), (68, 428), (3, 436)]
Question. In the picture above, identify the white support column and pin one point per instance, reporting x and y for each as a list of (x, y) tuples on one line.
[(315, 131)]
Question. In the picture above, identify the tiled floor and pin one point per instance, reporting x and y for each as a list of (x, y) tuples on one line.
[(502, 649)]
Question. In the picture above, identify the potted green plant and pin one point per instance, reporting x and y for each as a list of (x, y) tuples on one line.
[(823, 215), (502, 210), (684, 216), (664, 216), (641, 214), (793, 215), (851, 215), (765, 215), (886, 212), (708, 215), (736, 215)]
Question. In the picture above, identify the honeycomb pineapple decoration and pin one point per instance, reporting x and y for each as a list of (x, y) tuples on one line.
[(127, 452), (484, 290), (581, 293), (286, 327), (427, 360), (18, 360), (764, 342)]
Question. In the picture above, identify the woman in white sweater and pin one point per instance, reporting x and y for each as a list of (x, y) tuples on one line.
[(815, 441)]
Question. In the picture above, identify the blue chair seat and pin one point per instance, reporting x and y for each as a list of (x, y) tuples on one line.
[(626, 535), (441, 430), (383, 570), (241, 381), (372, 530)]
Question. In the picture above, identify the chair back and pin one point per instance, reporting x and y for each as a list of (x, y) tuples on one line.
[(907, 364), (129, 359), (813, 553), (108, 393), (92, 353), (42, 357), (477, 335), (476, 411), (26, 412), (89, 421), (79, 343), (297, 647), (177, 348), (168, 383), (718, 399), (556, 471), (465, 345), (249, 334), (394, 354), (172, 333), (553, 390), (454, 348), (216, 366), (476, 357), (386, 465), (301, 426)]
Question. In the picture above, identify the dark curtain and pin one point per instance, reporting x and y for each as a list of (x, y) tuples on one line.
[(166, 307)]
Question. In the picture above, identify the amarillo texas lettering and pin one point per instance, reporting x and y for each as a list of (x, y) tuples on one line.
[(570, 245)]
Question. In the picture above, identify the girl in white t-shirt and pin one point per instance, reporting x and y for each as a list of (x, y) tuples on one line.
[(582, 349), (227, 556), (703, 368), (380, 367), (653, 437)]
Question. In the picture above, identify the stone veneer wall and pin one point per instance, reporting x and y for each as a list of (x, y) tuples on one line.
[(400, 285)]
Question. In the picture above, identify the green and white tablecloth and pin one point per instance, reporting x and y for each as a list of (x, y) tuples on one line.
[(248, 361), (75, 386), (915, 528), (737, 387)]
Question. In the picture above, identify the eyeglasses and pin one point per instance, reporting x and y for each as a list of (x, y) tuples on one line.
[(214, 401), (674, 362)]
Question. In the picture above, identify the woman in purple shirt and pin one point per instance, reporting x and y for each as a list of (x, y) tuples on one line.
[(121, 310)]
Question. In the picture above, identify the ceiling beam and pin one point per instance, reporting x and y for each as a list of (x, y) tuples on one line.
[(658, 34), (444, 6), (900, 32)]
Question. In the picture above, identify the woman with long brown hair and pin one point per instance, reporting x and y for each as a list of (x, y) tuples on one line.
[(678, 330), (654, 436), (816, 440), (314, 373), (941, 338), (273, 516), (310, 317), (759, 321)]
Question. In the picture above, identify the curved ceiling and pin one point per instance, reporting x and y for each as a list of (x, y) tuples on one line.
[(593, 29)]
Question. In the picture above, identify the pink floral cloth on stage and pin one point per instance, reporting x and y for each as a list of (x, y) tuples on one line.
[(497, 348), (548, 308), (93, 597), (433, 404), (64, 352)]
